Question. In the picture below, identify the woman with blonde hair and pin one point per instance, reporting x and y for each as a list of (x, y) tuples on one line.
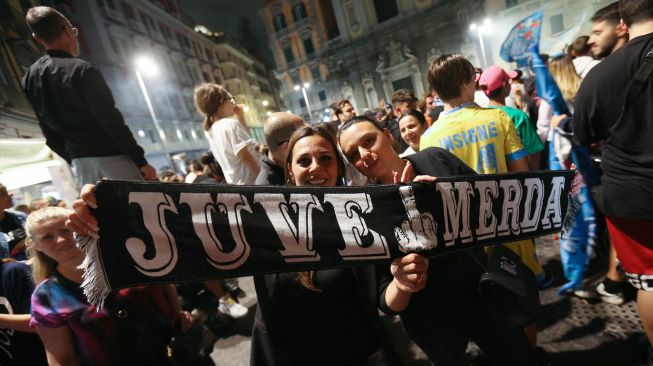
[(564, 73), (230, 141), (133, 327)]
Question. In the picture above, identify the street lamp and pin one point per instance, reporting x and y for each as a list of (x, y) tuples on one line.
[(148, 67), (480, 30), (303, 88)]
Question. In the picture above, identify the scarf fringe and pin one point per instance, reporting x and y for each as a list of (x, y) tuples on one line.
[(94, 280)]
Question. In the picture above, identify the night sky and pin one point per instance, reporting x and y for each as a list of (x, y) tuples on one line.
[(239, 18)]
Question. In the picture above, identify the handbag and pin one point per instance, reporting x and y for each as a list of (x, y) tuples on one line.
[(508, 288)]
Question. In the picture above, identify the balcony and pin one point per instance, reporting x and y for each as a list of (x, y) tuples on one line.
[(296, 26), (113, 14), (157, 36), (137, 26)]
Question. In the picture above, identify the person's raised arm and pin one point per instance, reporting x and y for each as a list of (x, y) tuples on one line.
[(81, 220), (249, 161)]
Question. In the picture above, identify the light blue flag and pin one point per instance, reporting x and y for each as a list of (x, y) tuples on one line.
[(521, 38)]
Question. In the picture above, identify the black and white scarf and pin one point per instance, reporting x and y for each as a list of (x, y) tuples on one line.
[(167, 233)]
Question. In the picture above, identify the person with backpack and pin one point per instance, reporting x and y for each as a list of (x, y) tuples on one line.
[(615, 105)]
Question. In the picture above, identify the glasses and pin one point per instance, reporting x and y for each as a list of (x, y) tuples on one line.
[(233, 100), (73, 29)]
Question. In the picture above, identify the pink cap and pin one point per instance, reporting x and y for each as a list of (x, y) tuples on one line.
[(494, 77)]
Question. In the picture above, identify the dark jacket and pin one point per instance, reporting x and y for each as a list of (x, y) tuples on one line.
[(76, 110), (266, 346)]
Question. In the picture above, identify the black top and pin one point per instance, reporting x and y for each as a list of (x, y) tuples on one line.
[(452, 282), (336, 325), (275, 173), (76, 110), (627, 157), (16, 286)]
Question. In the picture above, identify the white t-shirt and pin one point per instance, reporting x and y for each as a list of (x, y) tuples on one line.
[(227, 137), (408, 151)]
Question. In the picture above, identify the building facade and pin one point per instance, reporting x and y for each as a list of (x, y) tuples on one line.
[(17, 52), (361, 50)]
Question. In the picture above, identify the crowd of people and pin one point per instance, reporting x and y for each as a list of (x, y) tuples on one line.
[(472, 121)]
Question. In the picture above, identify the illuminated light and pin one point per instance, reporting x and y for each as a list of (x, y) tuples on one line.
[(146, 65), (265, 103), (141, 133)]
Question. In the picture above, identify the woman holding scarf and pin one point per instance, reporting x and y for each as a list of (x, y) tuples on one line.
[(449, 311)]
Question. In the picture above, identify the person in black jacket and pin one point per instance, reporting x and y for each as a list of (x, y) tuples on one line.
[(449, 311), (277, 131), (75, 107)]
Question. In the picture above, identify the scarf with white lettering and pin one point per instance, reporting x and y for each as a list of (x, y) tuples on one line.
[(168, 233)]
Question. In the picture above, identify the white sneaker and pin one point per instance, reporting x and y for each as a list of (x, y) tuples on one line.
[(230, 307), (609, 297)]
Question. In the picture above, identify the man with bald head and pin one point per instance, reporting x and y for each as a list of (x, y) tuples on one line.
[(277, 131)]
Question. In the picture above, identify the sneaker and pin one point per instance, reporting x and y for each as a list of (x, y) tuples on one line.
[(583, 294), (609, 297), (230, 307)]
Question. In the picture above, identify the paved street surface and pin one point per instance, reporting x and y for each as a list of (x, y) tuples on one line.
[(572, 331)]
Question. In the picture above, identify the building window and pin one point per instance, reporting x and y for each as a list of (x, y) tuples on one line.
[(165, 31), (302, 103), (557, 23), (183, 40), (404, 83), (463, 18), (299, 12), (511, 3), (385, 9), (129, 11), (279, 22), (151, 135), (207, 76), (322, 95), (287, 52), (315, 71), (108, 3), (308, 46)]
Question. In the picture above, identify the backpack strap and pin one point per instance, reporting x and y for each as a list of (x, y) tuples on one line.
[(640, 79), (635, 87)]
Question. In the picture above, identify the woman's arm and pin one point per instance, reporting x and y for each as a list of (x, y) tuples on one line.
[(409, 276), (59, 346), (249, 160), (18, 322)]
